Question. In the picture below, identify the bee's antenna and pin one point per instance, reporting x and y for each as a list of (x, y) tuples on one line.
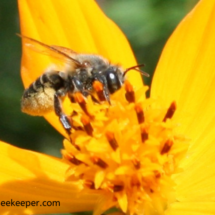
[(136, 68)]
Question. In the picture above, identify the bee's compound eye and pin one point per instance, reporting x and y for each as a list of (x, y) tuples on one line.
[(86, 63), (113, 81)]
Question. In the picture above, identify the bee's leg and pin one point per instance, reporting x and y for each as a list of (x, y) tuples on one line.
[(101, 87), (65, 121)]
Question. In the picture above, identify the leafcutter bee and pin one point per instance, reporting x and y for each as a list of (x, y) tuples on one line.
[(46, 93)]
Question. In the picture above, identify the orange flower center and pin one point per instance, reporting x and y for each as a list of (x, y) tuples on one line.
[(127, 150)]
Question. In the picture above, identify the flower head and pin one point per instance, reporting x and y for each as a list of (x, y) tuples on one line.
[(128, 151), (141, 155)]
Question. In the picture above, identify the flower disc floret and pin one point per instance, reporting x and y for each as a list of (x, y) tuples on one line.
[(129, 150)]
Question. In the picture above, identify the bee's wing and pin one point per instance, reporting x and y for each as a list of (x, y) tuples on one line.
[(58, 52)]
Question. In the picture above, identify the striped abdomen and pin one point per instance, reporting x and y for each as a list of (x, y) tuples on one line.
[(38, 98)]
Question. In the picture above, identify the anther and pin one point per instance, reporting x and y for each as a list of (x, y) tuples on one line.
[(99, 162), (135, 181), (117, 188), (79, 98), (144, 134), (167, 146), (136, 162), (99, 88), (71, 97), (140, 113), (75, 145), (75, 127), (74, 113), (71, 158), (112, 140), (129, 95), (90, 184), (171, 110), (87, 125), (157, 174)]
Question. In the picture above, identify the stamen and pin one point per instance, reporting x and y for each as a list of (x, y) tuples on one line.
[(167, 146), (129, 95), (99, 162), (171, 110), (87, 125), (157, 174), (71, 97), (144, 134), (90, 184), (140, 114), (77, 147), (99, 88), (135, 181), (79, 98), (115, 187), (118, 187), (75, 127), (71, 158), (136, 162), (112, 140), (74, 113)]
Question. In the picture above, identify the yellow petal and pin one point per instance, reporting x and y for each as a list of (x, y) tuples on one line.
[(99, 177), (187, 66), (30, 176), (192, 208), (185, 72), (197, 181), (123, 201), (72, 24)]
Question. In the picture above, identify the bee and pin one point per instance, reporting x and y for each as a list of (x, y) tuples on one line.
[(46, 93)]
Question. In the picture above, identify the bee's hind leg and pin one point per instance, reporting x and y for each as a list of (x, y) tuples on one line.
[(65, 121)]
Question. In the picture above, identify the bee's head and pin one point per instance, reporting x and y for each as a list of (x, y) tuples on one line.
[(115, 76)]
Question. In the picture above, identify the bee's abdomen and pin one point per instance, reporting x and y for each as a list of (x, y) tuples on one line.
[(54, 81), (38, 99)]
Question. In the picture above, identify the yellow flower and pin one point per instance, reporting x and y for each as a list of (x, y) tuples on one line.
[(139, 155)]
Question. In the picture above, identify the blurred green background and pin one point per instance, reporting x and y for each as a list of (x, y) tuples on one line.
[(146, 23)]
